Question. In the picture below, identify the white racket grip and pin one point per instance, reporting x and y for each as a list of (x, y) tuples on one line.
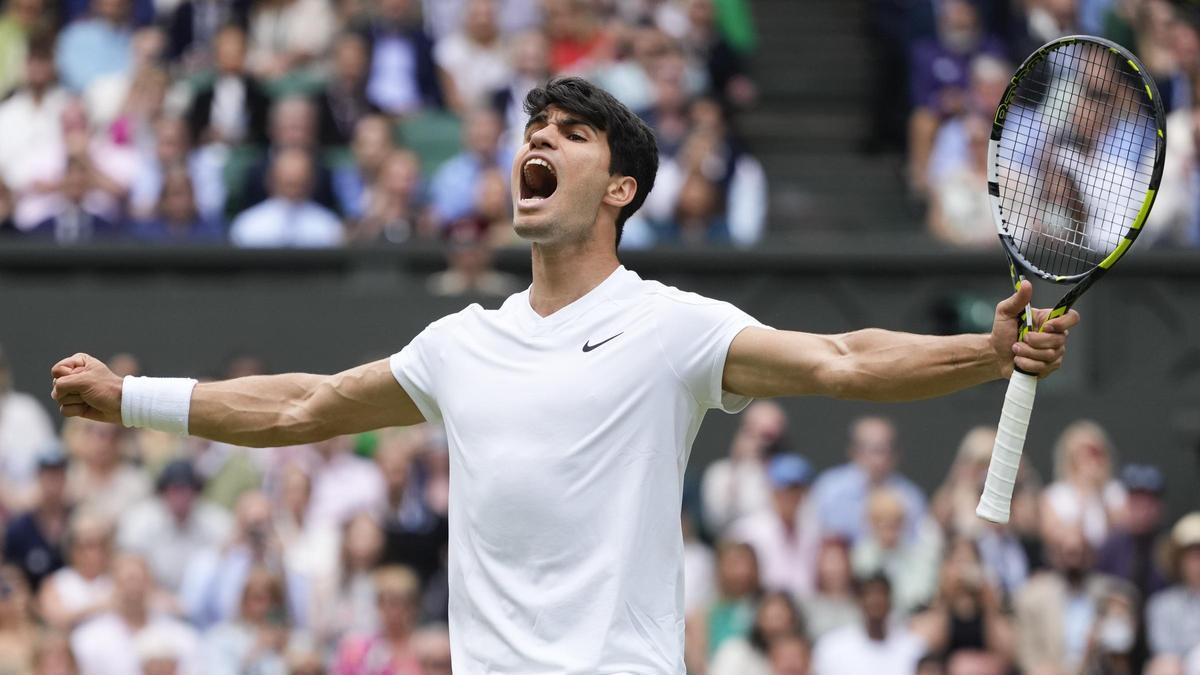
[(997, 494)]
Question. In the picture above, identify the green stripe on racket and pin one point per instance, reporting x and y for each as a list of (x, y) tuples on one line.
[(1074, 161)]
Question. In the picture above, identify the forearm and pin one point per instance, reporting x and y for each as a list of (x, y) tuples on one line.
[(880, 365), (259, 411)]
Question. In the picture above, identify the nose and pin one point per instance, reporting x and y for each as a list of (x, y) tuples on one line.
[(546, 137)]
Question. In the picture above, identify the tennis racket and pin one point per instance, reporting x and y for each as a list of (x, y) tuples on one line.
[(1074, 161)]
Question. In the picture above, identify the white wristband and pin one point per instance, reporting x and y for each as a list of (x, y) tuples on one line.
[(160, 403)]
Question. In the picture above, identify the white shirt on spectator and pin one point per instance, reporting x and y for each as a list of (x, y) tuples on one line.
[(849, 651), (787, 561), (40, 123), (1089, 512), (732, 490), (25, 430), (296, 27), (76, 593), (567, 470), (477, 70), (107, 645), (343, 486), (280, 223), (150, 530)]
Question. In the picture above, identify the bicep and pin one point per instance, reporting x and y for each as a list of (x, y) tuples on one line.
[(364, 398), (763, 362)]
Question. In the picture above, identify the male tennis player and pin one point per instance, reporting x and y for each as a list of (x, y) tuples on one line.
[(570, 411)]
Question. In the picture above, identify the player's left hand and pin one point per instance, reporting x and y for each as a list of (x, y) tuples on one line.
[(1042, 351)]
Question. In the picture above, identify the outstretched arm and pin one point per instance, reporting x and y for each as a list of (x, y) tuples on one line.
[(880, 365), (259, 411)]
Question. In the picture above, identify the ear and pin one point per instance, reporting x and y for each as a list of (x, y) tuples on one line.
[(621, 190)]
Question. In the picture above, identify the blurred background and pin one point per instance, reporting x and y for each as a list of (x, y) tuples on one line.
[(216, 188)]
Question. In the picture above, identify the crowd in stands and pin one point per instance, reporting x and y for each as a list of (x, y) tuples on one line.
[(955, 58), (133, 552), (319, 123)]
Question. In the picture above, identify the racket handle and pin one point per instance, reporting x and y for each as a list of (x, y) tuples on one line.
[(997, 494)]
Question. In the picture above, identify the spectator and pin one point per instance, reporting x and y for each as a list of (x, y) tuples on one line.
[(1084, 493), (727, 74), (453, 188), (25, 431), (631, 80), (1113, 638), (840, 494), (343, 484), (791, 655), (737, 486), (74, 221), (393, 208), (951, 152), (343, 102), (52, 655), (213, 581), (286, 36), (1056, 610), (873, 646), (967, 613), (1132, 552), (578, 41), (731, 614), (293, 126), (17, 630), (431, 644), (99, 481), (176, 216), (232, 109), (255, 641), (118, 641), (832, 605), (954, 502), (959, 211), (96, 46), (530, 68), (347, 606), (20, 19), (470, 259), (1176, 218), (205, 189), (83, 589), (776, 618), (940, 74), (289, 217), (308, 548), (389, 651), (404, 78), (415, 536), (909, 563), (194, 26), (785, 537), (174, 525), (370, 146), (34, 539), (30, 161), (1173, 615), (475, 57)]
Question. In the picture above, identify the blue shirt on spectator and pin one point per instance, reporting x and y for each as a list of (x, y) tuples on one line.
[(452, 189), (90, 49), (840, 495)]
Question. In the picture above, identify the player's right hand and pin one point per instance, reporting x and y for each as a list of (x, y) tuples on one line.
[(84, 387)]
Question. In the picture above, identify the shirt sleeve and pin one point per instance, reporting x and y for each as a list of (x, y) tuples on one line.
[(415, 368), (695, 333)]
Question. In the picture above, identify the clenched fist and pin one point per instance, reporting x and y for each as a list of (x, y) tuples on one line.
[(84, 387)]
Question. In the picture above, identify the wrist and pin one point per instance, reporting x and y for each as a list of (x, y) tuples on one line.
[(160, 403)]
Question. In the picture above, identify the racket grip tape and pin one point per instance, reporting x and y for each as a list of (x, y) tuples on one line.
[(996, 499)]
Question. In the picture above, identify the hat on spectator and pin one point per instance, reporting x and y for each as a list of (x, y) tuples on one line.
[(788, 470), (1142, 478), (1186, 532), (178, 473), (52, 457)]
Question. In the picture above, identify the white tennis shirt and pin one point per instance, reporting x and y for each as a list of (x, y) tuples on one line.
[(568, 438)]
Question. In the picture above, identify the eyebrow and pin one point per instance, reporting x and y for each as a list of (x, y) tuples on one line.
[(567, 121)]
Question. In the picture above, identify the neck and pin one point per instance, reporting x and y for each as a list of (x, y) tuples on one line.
[(563, 273), (876, 630), (133, 614)]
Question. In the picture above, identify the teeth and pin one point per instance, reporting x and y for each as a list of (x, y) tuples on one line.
[(540, 162)]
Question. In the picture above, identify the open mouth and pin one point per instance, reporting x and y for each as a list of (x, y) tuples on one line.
[(538, 180)]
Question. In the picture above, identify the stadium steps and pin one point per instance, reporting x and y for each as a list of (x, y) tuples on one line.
[(813, 75)]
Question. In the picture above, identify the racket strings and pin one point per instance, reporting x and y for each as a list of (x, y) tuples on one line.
[(1072, 159)]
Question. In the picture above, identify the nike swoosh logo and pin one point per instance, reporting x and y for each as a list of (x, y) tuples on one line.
[(589, 347)]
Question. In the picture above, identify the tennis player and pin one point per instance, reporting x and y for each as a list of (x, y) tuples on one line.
[(571, 410)]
